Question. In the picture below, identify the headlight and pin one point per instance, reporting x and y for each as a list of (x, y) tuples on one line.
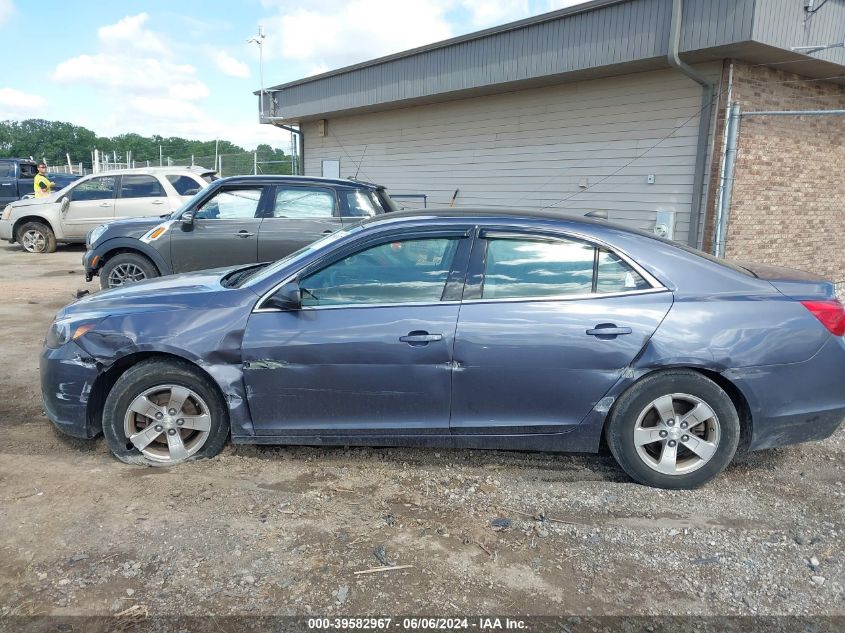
[(66, 330), (7, 212), (95, 234)]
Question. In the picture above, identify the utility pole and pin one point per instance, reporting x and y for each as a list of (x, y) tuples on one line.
[(259, 39)]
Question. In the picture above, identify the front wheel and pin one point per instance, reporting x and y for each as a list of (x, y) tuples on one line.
[(675, 429), (126, 268), (163, 412), (37, 237)]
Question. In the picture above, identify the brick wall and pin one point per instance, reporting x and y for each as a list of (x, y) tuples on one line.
[(788, 205)]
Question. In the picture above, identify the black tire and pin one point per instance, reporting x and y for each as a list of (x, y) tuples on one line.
[(119, 267), (689, 388), (158, 375), (45, 241)]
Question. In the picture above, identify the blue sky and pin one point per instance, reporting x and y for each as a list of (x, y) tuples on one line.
[(184, 68)]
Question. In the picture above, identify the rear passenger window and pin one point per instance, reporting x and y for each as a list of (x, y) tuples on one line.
[(520, 268), (304, 202), (184, 185), (140, 187), (614, 275)]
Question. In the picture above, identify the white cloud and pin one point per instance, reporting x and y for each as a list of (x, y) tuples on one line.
[(14, 104), (7, 9), (128, 32), (230, 66), (486, 13), (333, 33)]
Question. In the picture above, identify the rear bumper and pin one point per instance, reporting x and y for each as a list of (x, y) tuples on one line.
[(66, 381), (798, 402)]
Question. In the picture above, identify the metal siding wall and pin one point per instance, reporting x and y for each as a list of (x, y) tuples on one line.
[(531, 148), (626, 32), (784, 23)]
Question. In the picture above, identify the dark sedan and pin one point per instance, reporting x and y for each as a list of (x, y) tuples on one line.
[(237, 220), (478, 329)]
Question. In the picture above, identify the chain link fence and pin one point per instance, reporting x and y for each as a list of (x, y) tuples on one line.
[(239, 164)]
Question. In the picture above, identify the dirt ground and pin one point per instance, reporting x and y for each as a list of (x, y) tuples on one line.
[(284, 530)]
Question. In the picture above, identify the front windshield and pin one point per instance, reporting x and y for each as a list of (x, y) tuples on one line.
[(263, 273)]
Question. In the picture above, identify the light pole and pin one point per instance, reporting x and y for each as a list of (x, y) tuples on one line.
[(259, 39)]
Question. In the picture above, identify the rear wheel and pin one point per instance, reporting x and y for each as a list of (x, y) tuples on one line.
[(37, 237), (126, 268), (674, 429), (162, 413)]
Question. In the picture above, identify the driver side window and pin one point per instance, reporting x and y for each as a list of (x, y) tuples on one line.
[(402, 271), (230, 204)]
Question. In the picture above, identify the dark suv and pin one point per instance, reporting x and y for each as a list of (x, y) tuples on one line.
[(237, 220)]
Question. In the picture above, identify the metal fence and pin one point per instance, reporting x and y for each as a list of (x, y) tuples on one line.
[(223, 164)]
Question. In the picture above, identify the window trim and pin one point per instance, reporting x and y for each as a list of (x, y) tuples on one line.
[(476, 271), (456, 276)]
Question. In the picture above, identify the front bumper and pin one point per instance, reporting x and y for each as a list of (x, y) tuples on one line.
[(91, 263), (67, 377), (6, 230)]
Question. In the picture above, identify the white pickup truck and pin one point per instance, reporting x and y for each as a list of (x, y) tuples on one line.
[(67, 215)]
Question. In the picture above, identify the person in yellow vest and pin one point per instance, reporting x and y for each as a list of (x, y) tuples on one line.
[(43, 185)]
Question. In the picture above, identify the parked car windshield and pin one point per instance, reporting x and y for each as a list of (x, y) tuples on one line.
[(263, 273)]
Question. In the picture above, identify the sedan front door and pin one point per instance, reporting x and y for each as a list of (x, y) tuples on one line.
[(224, 231), (370, 350), (547, 326)]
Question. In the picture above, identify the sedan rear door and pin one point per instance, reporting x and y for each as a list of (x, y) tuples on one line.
[(547, 326)]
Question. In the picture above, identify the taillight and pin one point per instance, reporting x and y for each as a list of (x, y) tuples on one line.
[(830, 312)]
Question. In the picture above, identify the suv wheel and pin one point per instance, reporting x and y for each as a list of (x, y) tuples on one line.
[(37, 237), (126, 268)]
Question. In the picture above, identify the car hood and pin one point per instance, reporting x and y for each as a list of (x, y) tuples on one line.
[(28, 202), (131, 227), (189, 291)]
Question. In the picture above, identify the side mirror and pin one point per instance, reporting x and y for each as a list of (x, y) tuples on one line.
[(188, 218), (288, 297)]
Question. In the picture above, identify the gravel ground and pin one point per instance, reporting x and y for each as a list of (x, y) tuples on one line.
[(269, 531)]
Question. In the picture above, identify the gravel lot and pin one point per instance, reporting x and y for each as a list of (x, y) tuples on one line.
[(283, 530)]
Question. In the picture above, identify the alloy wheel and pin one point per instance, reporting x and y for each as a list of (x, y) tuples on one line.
[(125, 274), (167, 423), (34, 241), (677, 434)]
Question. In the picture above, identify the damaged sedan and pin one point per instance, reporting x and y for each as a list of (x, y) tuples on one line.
[(459, 328)]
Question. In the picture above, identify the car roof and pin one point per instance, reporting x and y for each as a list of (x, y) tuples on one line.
[(317, 180), (196, 170), (498, 213)]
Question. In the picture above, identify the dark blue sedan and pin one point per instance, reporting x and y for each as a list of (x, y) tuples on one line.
[(477, 329)]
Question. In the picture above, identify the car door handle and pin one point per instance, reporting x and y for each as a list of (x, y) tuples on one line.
[(244, 234), (420, 337), (328, 231), (157, 202), (609, 330), (105, 204)]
